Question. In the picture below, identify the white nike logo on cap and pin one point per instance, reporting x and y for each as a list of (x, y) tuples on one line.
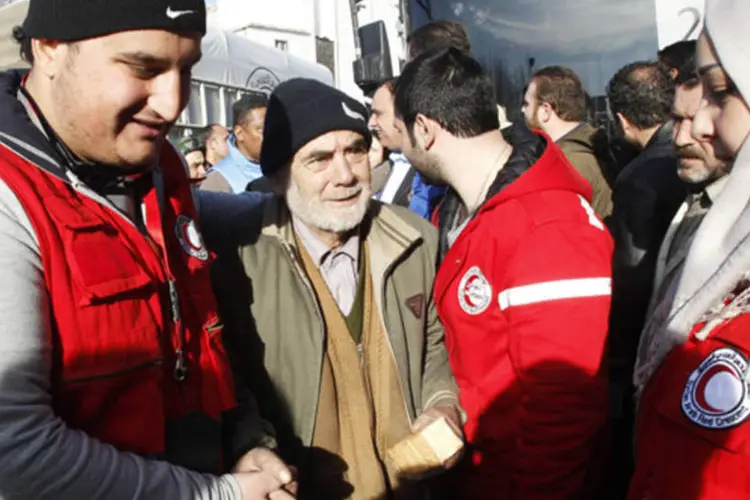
[(174, 14), (351, 114)]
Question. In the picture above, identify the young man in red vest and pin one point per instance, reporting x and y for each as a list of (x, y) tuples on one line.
[(523, 288), (113, 379)]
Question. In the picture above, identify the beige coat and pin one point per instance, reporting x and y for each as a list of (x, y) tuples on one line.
[(274, 329)]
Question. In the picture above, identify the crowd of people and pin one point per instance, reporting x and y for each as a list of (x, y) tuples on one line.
[(411, 300)]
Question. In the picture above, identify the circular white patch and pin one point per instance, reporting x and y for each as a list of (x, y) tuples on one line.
[(190, 238), (723, 392), (716, 393), (474, 292), (193, 236)]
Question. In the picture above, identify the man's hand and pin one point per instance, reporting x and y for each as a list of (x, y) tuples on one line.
[(452, 416), (275, 474), (261, 486)]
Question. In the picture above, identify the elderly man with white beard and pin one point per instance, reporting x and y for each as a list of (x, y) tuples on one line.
[(327, 306)]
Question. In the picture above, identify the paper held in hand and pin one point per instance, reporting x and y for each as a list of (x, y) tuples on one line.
[(426, 451)]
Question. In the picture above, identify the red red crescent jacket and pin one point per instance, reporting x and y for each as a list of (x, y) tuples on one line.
[(524, 294), (127, 310), (693, 439)]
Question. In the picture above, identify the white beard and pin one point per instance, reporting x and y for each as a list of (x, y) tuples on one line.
[(316, 213)]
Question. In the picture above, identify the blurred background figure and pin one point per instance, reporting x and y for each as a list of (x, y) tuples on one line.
[(397, 186), (194, 151), (380, 167), (215, 138), (646, 197), (555, 102), (677, 58), (241, 166)]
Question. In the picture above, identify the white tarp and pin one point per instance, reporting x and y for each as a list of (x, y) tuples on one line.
[(230, 59), (12, 14), (678, 20)]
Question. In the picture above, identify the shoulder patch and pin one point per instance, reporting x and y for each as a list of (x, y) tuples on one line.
[(716, 393), (474, 292), (190, 238)]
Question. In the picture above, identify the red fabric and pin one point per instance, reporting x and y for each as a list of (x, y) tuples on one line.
[(113, 337), (676, 458), (532, 377), (435, 218)]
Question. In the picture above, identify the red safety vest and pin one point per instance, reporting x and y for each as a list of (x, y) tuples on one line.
[(136, 338)]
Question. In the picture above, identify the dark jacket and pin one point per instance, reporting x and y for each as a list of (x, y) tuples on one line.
[(587, 150), (647, 194)]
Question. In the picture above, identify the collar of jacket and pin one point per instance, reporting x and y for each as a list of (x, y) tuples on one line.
[(662, 136), (528, 147), (388, 235), (19, 133)]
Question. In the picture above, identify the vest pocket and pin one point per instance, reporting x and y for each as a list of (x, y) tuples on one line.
[(103, 262), (103, 266), (123, 408)]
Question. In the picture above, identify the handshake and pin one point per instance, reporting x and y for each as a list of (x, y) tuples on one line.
[(262, 475), (435, 445)]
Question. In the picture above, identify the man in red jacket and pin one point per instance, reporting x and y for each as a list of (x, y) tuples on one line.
[(113, 380), (523, 288)]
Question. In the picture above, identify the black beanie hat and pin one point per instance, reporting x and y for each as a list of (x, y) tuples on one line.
[(300, 110), (71, 20)]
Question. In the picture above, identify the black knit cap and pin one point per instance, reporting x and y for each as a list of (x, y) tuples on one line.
[(71, 20), (300, 110)]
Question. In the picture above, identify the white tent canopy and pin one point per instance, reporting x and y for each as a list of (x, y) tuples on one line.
[(11, 15), (230, 59)]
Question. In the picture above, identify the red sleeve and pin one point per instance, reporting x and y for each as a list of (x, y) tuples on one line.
[(557, 300)]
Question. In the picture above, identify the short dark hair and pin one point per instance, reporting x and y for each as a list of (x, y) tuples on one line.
[(203, 134), (562, 89), (390, 84), (680, 57), (192, 143), (437, 35), (24, 44), (643, 93), (450, 87), (247, 103)]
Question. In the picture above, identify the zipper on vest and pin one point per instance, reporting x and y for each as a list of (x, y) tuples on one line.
[(180, 366)]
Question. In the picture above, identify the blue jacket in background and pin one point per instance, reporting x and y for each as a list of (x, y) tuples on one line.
[(237, 169), (425, 197)]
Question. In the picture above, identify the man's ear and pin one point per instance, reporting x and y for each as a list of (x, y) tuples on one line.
[(238, 132), (544, 112), (624, 123), (49, 56), (425, 131)]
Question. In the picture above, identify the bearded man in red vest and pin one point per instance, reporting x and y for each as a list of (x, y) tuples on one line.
[(113, 379)]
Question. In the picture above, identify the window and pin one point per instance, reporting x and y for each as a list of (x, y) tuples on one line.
[(281, 45), (514, 38)]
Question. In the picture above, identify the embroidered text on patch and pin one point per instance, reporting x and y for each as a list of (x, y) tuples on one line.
[(716, 393), (474, 292)]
